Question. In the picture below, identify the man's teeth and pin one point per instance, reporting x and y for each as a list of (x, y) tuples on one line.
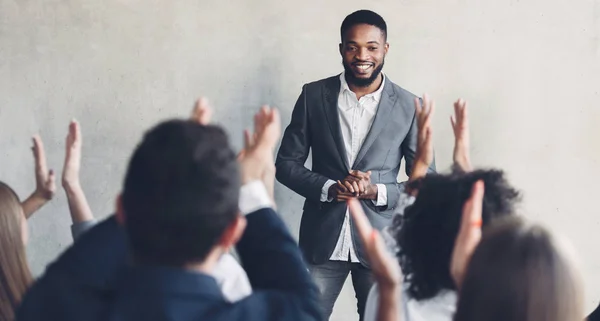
[(363, 67)]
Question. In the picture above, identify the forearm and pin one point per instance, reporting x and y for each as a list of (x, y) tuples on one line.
[(78, 204), (389, 304), (33, 203)]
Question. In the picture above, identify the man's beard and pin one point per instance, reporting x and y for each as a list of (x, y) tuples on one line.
[(361, 82)]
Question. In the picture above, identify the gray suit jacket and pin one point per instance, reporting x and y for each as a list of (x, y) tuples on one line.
[(315, 125)]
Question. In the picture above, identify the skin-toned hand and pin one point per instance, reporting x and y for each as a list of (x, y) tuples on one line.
[(460, 126), (384, 266), (256, 160), (78, 204), (357, 184), (73, 144), (469, 234), (202, 112), (44, 180), (424, 113)]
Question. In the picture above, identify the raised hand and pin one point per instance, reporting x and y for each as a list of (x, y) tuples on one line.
[(460, 126), (78, 204), (385, 267), (424, 114), (72, 165), (45, 185), (202, 112), (424, 153), (44, 178), (469, 234), (256, 159)]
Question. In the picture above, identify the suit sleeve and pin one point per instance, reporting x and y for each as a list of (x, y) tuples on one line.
[(293, 153), (409, 150), (283, 288)]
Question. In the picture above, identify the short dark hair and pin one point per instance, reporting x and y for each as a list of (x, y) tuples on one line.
[(429, 227), (367, 17), (181, 193), (520, 272)]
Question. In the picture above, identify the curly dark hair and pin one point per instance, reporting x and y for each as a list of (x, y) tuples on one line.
[(426, 232)]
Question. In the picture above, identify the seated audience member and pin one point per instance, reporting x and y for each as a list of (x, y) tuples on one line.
[(15, 276), (182, 208), (230, 276), (425, 233), (516, 271)]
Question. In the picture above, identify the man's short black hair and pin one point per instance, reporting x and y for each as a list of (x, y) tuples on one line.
[(181, 193), (429, 227), (363, 17)]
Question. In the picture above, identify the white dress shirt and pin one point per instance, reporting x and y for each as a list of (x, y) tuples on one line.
[(356, 118)]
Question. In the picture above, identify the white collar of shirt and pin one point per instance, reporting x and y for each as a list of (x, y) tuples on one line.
[(376, 95)]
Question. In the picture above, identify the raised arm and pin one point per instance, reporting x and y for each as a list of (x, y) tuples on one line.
[(293, 153), (269, 253), (460, 127), (385, 267), (45, 186), (81, 214)]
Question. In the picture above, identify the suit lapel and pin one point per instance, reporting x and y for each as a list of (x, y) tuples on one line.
[(386, 104), (330, 103)]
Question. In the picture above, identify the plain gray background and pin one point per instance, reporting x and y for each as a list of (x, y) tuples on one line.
[(529, 68)]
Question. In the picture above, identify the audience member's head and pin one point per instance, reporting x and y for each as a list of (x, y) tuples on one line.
[(363, 47), (15, 276), (520, 272), (429, 227), (180, 198)]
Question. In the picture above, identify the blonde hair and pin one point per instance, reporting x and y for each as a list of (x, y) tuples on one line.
[(15, 276)]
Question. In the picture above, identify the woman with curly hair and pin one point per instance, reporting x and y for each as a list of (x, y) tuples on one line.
[(425, 230)]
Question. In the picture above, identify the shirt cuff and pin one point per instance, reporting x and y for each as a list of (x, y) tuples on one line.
[(381, 195), (325, 191), (253, 197)]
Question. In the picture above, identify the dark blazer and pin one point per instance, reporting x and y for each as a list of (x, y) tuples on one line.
[(92, 281), (315, 125)]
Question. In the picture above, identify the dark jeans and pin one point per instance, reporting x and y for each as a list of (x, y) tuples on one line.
[(330, 278)]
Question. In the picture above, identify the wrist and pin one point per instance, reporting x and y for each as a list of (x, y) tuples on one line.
[(388, 288), (40, 196), (372, 192), (71, 186)]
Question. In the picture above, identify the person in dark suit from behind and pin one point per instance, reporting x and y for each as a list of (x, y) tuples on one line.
[(180, 210)]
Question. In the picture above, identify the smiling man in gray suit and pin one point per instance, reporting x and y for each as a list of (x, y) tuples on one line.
[(359, 126)]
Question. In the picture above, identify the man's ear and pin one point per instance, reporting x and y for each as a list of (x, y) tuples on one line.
[(233, 233), (387, 47), (119, 211), (341, 48)]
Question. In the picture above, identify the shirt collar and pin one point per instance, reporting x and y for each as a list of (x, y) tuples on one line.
[(376, 95)]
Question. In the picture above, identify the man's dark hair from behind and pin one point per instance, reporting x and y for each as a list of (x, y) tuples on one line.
[(363, 17), (429, 227), (181, 192)]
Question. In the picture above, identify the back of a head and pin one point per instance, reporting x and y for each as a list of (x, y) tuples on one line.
[(15, 276), (181, 193), (520, 272), (428, 229), (363, 17)]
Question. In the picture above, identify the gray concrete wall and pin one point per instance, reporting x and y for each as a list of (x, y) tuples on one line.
[(529, 68)]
